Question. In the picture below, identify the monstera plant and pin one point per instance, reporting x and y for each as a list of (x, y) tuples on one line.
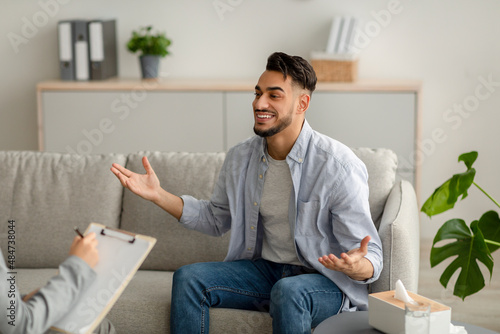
[(467, 244)]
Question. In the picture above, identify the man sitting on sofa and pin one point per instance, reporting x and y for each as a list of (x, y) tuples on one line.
[(40, 309), (303, 244)]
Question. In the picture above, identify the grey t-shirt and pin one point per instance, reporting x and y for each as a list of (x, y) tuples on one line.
[(278, 243)]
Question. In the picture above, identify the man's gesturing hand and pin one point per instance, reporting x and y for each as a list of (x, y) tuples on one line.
[(145, 185), (353, 263), (148, 187)]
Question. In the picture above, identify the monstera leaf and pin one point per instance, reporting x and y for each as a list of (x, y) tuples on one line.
[(445, 196), (489, 224), (469, 248), (472, 245)]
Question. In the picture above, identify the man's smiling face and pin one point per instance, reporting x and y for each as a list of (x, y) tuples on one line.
[(274, 104)]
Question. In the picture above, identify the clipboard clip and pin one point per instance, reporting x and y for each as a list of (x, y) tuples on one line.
[(131, 241)]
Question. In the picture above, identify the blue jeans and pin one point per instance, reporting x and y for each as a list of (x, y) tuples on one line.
[(296, 300)]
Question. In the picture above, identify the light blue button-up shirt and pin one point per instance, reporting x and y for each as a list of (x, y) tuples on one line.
[(329, 212)]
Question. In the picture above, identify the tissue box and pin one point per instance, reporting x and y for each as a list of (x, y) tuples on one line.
[(387, 313)]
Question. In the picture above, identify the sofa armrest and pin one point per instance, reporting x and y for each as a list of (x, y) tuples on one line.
[(399, 231)]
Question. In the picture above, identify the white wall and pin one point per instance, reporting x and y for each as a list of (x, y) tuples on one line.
[(451, 45)]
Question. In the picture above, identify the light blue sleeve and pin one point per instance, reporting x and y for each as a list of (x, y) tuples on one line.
[(211, 217), (352, 218), (49, 304)]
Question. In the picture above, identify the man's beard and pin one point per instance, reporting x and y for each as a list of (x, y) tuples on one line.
[(283, 124)]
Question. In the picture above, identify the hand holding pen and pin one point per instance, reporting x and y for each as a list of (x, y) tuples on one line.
[(85, 247)]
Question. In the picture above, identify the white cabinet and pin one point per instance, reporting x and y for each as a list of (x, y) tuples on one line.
[(384, 119), (239, 117), (116, 122), (125, 116)]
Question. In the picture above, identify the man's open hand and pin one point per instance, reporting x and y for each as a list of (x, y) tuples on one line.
[(145, 185), (353, 263)]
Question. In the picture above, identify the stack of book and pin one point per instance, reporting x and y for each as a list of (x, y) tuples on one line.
[(87, 49), (339, 61), (342, 35)]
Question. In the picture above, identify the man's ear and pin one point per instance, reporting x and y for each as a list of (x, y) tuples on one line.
[(304, 100)]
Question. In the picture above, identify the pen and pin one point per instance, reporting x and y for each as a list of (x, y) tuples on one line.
[(78, 232)]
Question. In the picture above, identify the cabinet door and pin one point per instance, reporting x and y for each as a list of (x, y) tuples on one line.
[(127, 121)]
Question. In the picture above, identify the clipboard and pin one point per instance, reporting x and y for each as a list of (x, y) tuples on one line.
[(121, 253)]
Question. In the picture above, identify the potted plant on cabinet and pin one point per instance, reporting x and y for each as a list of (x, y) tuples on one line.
[(471, 244), (152, 46)]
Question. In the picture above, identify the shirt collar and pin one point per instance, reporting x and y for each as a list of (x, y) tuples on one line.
[(299, 149)]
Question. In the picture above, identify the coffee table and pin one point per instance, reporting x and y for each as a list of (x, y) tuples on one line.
[(357, 323)]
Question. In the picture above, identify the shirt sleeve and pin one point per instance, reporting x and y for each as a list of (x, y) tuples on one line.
[(211, 217), (49, 304), (352, 218)]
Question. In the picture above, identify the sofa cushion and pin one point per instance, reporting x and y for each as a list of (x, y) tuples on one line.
[(148, 298), (192, 174), (381, 164), (144, 306), (47, 194)]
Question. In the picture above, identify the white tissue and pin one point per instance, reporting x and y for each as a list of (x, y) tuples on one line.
[(457, 329), (402, 295)]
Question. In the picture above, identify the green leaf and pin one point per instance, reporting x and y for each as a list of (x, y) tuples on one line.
[(149, 43), (446, 195), (438, 202), (460, 183), (469, 248), (489, 223), (468, 158)]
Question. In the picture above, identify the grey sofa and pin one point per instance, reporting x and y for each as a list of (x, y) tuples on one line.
[(47, 194)]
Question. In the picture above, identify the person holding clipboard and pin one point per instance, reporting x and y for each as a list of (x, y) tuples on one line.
[(36, 312)]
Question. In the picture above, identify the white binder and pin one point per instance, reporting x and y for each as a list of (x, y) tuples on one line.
[(103, 54), (65, 41), (81, 44)]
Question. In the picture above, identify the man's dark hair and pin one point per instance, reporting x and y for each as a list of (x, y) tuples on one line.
[(301, 72)]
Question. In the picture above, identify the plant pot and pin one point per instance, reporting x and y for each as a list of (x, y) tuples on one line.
[(149, 66)]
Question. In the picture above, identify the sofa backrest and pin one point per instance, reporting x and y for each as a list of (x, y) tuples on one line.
[(196, 174), (381, 165), (48, 194), (192, 174)]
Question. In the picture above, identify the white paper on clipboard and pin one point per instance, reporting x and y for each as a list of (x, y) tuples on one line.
[(120, 255)]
